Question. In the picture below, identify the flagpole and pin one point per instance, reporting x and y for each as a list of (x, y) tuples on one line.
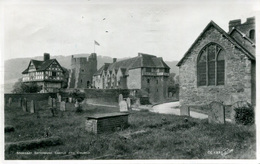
[(94, 46)]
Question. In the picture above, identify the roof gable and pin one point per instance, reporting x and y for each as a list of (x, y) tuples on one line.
[(233, 41), (42, 65)]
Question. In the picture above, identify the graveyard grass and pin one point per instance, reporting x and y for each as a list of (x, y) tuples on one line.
[(149, 136)]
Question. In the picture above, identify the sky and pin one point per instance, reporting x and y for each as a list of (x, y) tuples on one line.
[(122, 28)]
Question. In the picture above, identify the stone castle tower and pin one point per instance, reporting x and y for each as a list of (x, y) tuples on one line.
[(82, 71), (248, 28)]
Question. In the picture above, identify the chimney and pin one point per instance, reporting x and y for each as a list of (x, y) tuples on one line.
[(114, 60), (46, 56)]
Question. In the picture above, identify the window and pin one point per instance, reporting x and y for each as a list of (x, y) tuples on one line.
[(252, 34), (157, 81), (148, 81), (148, 70), (167, 70), (53, 73), (211, 66)]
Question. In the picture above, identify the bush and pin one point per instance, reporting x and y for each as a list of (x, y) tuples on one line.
[(31, 87), (245, 115)]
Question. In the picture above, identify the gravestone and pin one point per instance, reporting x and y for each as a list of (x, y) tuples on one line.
[(32, 107), (10, 100), (239, 104), (20, 101), (217, 113), (128, 101), (70, 99), (184, 110), (54, 102), (24, 105), (63, 106), (123, 106), (137, 102), (50, 101), (170, 94), (59, 98), (120, 98)]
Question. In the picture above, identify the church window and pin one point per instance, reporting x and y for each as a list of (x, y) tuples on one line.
[(211, 66)]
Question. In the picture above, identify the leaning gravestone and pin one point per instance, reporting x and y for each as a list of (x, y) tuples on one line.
[(50, 101), (217, 113), (10, 101), (120, 98), (123, 106), (128, 100), (24, 105), (239, 104), (32, 107), (63, 106), (184, 111)]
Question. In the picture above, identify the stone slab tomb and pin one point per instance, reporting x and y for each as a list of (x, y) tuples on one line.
[(99, 123), (216, 113)]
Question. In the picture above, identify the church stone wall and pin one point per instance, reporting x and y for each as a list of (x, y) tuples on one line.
[(238, 68)]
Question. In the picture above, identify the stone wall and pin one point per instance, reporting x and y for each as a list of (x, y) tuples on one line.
[(98, 126), (134, 78), (30, 96), (156, 89), (237, 74)]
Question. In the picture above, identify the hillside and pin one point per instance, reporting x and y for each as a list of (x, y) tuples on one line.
[(13, 68)]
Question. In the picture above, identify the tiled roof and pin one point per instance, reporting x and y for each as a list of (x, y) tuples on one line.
[(40, 65), (103, 68), (142, 60), (231, 39)]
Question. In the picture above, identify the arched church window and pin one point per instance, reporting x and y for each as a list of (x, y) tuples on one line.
[(211, 66)]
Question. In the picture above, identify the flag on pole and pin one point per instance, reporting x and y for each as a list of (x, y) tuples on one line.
[(96, 43)]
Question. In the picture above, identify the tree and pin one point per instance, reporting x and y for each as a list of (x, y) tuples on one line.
[(173, 85), (20, 87)]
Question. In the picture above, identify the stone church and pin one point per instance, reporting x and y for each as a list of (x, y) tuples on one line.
[(220, 66)]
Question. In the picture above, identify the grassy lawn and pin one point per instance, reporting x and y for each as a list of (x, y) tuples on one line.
[(161, 136)]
